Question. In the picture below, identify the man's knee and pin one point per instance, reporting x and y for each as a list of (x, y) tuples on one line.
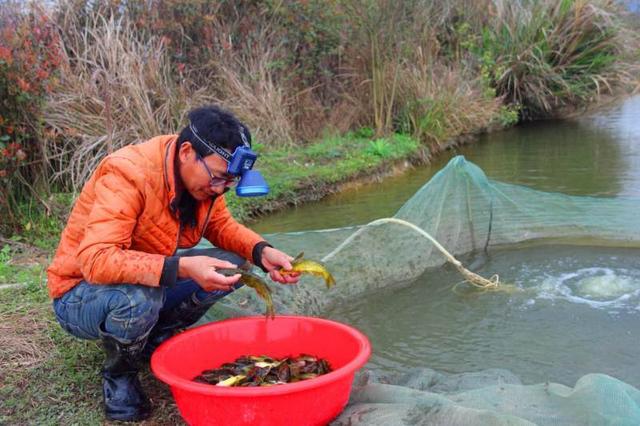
[(134, 310)]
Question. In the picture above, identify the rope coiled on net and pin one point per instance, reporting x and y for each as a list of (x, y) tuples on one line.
[(471, 277)]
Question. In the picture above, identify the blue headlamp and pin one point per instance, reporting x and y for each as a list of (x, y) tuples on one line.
[(240, 163)]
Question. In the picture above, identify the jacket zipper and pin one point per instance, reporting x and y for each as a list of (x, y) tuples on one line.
[(206, 222)]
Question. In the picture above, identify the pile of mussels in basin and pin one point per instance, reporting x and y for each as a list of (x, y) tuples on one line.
[(265, 371)]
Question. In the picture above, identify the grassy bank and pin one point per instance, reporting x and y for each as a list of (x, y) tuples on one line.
[(311, 172), (47, 376)]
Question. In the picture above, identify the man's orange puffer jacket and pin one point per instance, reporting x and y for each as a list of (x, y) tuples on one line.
[(124, 222)]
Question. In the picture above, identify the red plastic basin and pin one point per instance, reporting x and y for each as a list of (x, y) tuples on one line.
[(311, 402)]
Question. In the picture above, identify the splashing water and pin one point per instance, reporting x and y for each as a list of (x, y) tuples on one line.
[(598, 287)]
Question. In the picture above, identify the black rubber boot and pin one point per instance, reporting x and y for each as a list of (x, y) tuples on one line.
[(123, 396), (187, 313)]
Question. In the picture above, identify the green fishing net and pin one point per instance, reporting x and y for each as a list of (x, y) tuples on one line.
[(469, 215)]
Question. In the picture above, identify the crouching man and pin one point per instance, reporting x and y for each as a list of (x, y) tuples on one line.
[(117, 274)]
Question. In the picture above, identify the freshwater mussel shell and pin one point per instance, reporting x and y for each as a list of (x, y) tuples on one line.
[(265, 371)]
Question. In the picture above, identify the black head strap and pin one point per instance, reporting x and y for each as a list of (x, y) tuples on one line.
[(212, 146)]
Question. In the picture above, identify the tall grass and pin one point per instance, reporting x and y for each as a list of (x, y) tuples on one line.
[(116, 89), (293, 70), (246, 82), (412, 70), (383, 36), (545, 55), (438, 102)]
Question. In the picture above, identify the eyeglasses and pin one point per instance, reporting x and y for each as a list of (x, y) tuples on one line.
[(217, 181)]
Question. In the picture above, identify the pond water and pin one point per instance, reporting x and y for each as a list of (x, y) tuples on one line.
[(575, 310)]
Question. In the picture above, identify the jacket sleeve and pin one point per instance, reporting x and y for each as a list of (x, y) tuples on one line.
[(224, 232), (104, 253)]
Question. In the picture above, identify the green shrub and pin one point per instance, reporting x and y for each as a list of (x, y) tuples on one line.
[(29, 60), (380, 147)]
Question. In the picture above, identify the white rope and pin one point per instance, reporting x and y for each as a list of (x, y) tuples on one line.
[(471, 277)]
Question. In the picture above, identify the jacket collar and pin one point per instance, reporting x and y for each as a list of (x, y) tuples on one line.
[(171, 174), (172, 178)]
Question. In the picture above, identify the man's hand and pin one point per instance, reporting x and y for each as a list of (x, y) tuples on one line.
[(273, 260), (202, 269)]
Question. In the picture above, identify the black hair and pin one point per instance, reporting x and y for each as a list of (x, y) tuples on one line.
[(214, 125)]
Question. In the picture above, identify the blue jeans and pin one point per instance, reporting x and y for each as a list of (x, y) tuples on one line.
[(129, 311)]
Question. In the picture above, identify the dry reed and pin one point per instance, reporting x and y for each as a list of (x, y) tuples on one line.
[(116, 89), (439, 102), (399, 67), (246, 83)]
